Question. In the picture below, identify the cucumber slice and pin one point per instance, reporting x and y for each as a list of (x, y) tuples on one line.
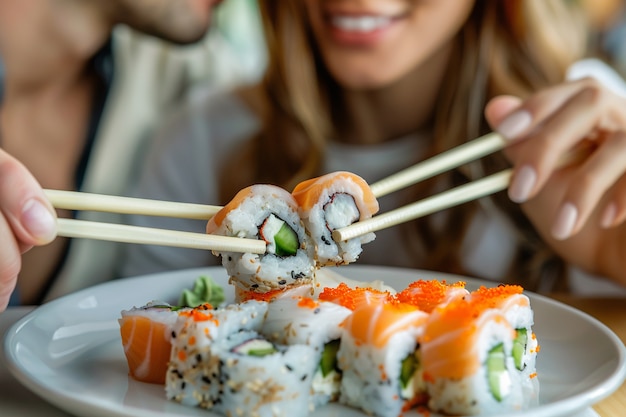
[(262, 352), (328, 363), (408, 368), (519, 348), (281, 239), (498, 377), (286, 241), (255, 347)]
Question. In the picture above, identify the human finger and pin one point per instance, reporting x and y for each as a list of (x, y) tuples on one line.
[(498, 108), (536, 157), (589, 183), (10, 263), (614, 213), (28, 213), (535, 110)]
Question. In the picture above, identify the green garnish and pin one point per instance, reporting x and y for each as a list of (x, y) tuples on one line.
[(204, 291), (328, 362)]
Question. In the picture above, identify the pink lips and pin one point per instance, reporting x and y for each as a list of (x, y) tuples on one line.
[(359, 30)]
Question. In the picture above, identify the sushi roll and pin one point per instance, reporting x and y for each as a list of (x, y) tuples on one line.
[(466, 354), (261, 378), (193, 373), (269, 213), (516, 308), (296, 318), (331, 202), (146, 339), (380, 359)]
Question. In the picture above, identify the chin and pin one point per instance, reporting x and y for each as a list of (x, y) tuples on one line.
[(181, 34), (359, 80)]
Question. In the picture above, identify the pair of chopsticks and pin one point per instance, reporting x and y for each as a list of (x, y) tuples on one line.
[(71, 200), (443, 162), (470, 151)]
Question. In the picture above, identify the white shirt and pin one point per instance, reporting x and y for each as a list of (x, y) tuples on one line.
[(185, 161)]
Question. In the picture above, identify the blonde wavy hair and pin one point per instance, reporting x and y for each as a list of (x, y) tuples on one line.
[(505, 47)]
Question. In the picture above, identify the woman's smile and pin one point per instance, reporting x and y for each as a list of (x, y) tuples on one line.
[(369, 44), (361, 30)]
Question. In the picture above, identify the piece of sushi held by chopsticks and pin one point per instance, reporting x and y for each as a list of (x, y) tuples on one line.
[(331, 202), (269, 213)]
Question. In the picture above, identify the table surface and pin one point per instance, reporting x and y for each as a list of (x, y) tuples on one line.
[(16, 400)]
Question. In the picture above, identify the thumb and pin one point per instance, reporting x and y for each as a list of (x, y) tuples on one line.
[(499, 107), (24, 205)]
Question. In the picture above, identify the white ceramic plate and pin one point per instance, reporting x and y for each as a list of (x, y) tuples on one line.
[(69, 351)]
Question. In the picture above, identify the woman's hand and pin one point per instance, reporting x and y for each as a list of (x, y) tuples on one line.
[(579, 209), (26, 219)]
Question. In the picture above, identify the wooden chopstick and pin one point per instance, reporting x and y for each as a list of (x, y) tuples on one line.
[(453, 158), (453, 197), (149, 236), (450, 198), (72, 200), (445, 161)]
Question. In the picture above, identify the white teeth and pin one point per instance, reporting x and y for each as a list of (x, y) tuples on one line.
[(360, 23)]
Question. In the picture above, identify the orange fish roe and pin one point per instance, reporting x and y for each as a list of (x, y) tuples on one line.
[(428, 294), (353, 297), (199, 314), (243, 295), (307, 302), (494, 296)]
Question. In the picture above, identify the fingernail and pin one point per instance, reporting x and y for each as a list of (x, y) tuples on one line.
[(515, 124), (608, 217), (38, 220), (565, 222), (523, 184)]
